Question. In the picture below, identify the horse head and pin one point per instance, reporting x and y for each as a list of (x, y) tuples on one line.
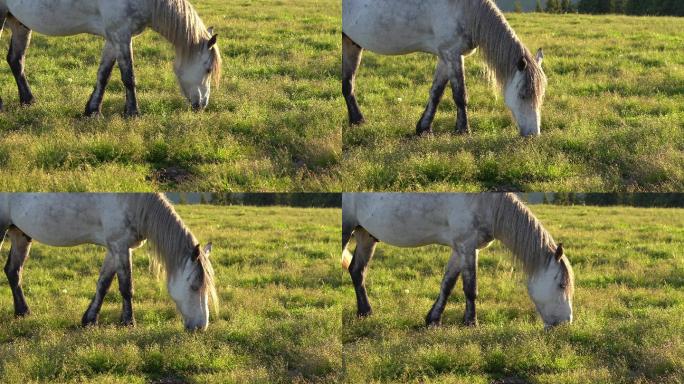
[(551, 288), (524, 93)]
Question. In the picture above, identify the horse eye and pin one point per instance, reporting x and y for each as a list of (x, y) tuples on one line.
[(562, 286)]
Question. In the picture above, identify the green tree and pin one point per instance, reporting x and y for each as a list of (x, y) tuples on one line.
[(553, 6), (567, 6), (517, 7), (538, 7)]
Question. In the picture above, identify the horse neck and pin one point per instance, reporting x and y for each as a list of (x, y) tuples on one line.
[(171, 241), (520, 231), (498, 42), (178, 22)]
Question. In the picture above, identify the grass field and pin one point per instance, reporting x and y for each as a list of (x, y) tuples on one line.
[(628, 305), (279, 318), (613, 117), (272, 125)]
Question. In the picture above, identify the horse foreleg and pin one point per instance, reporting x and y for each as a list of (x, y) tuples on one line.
[(103, 283), (124, 274), (460, 94), (94, 105), (434, 317), (21, 37), (351, 59), (3, 19), (365, 247), (470, 287), (439, 83), (125, 60), (19, 251)]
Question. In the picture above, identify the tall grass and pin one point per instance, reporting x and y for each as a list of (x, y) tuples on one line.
[(613, 117), (278, 321), (628, 306), (272, 125)]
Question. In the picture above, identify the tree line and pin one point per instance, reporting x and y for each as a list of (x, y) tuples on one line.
[(628, 7)]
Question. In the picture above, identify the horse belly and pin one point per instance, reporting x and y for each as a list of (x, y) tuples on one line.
[(385, 28), (58, 18), (58, 219)]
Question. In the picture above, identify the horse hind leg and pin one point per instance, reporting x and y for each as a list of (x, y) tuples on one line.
[(103, 283), (460, 94), (470, 287), (351, 59), (21, 38), (94, 106), (124, 274), (124, 58), (19, 251), (365, 247), (3, 19), (439, 83), (434, 316)]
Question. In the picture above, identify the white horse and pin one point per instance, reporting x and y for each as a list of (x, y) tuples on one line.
[(119, 222), (466, 223), (450, 30), (118, 21)]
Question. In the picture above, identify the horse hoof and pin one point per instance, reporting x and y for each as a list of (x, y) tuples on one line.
[(364, 314), (27, 102), (22, 313), (471, 323), (92, 113), (356, 120), (463, 130), (425, 133), (131, 113), (128, 323), (89, 323), (433, 323)]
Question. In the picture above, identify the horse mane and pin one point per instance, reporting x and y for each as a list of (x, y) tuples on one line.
[(503, 50), (531, 245), (179, 23), (171, 241)]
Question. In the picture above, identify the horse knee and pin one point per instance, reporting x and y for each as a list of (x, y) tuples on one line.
[(12, 274), (347, 88)]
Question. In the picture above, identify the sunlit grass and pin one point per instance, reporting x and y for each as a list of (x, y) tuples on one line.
[(628, 306), (279, 318), (272, 125), (613, 117)]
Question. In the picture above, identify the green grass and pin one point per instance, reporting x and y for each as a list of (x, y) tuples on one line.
[(279, 317), (613, 117), (628, 306), (272, 125)]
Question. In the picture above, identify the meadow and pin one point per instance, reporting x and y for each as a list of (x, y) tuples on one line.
[(612, 120), (279, 318), (273, 124), (628, 307)]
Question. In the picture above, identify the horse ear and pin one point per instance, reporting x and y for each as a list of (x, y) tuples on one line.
[(212, 41), (522, 64), (207, 249), (559, 251), (540, 56), (196, 252)]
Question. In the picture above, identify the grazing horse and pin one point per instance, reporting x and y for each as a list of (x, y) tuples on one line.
[(120, 223), (450, 30), (466, 223), (197, 56)]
